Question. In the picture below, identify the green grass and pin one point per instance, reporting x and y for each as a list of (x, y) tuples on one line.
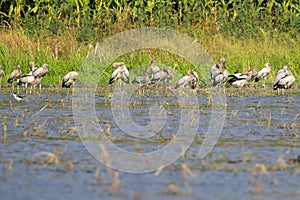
[(68, 54)]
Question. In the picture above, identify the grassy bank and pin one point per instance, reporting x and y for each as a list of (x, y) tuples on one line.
[(65, 53), (247, 33)]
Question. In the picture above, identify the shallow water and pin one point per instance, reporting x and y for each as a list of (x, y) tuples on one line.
[(256, 156)]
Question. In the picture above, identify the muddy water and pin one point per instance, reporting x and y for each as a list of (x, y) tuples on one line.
[(256, 156)]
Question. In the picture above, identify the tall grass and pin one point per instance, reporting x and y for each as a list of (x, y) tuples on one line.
[(248, 33)]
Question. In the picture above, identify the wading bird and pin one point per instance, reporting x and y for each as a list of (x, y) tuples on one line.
[(218, 72), (29, 79), (263, 72), (121, 72), (241, 79), (26, 80), (32, 68), (18, 97), (117, 64), (284, 80), (69, 79), (141, 79), (154, 68), (42, 71), (164, 75), (188, 81), (14, 75), (1, 75), (39, 73)]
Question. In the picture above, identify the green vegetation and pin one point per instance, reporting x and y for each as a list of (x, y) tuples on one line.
[(248, 33)]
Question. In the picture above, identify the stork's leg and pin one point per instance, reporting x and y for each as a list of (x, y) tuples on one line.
[(34, 87), (25, 86), (73, 88), (18, 89), (30, 90), (40, 88)]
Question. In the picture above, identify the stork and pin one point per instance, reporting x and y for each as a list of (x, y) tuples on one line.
[(120, 72), (218, 72), (262, 74), (241, 79), (188, 81), (164, 75), (141, 79), (14, 75), (32, 68), (154, 68), (26, 80), (39, 73), (284, 79), (69, 79)]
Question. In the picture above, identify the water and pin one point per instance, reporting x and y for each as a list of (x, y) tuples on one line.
[(255, 157)]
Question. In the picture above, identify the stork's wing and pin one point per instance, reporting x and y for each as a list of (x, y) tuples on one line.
[(280, 75), (66, 77), (196, 75)]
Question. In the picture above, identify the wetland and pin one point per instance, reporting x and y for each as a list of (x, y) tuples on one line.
[(257, 155)]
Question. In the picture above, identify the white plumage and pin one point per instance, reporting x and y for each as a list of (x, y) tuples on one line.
[(241, 79), (25, 80), (120, 72), (69, 79), (18, 97), (41, 71), (218, 73), (188, 81), (284, 79), (14, 75), (32, 68), (263, 72), (154, 68), (164, 75)]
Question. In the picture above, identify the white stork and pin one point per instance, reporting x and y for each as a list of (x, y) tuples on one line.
[(188, 81), (164, 75), (241, 79), (218, 73), (39, 73), (120, 72), (15, 75), (69, 79), (284, 79), (32, 68), (263, 72)]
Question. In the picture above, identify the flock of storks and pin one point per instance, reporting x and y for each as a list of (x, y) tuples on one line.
[(34, 77), (218, 74)]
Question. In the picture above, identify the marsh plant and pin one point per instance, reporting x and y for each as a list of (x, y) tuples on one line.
[(248, 33)]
